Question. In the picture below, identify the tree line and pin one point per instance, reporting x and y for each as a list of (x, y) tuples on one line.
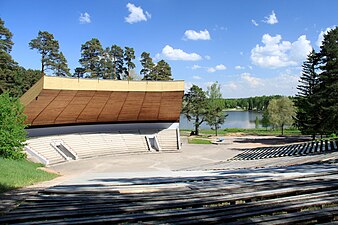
[(14, 79), (257, 103), (208, 106), (96, 62), (317, 98), (112, 62)]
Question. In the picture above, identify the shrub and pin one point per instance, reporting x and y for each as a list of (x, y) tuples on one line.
[(12, 128)]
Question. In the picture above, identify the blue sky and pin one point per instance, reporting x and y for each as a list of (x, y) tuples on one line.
[(251, 48)]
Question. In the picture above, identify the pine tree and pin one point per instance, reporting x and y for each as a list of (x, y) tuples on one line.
[(328, 82), (60, 65), (308, 117), (6, 44), (117, 58), (148, 66), (91, 53), (47, 46), (162, 71), (129, 56)]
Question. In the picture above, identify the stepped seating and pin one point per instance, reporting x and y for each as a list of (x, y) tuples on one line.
[(305, 194), (168, 140), (135, 143), (43, 147), (315, 147)]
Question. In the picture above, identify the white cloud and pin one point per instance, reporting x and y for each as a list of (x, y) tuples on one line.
[(239, 67), (207, 57), (195, 67), (84, 18), (211, 69), (321, 36), (136, 14), (254, 22), (194, 35), (216, 68), (276, 53), (170, 53), (251, 81), (197, 77), (271, 19), (231, 85)]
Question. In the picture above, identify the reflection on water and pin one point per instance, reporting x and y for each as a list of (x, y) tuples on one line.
[(235, 119)]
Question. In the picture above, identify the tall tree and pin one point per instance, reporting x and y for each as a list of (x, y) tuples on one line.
[(148, 66), (91, 53), (107, 64), (328, 81), (281, 112), (215, 116), (47, 46), (6, 45), (60, 66), (308, 117), (117, 58), (12, 127), (162, 71), (195, 106), (129, 56)]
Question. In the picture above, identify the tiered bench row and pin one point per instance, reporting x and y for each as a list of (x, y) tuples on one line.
[(315, 147), (309, 198), (87, 145)]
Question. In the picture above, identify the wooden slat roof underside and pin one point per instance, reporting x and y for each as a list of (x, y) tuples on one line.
[(56, 106)]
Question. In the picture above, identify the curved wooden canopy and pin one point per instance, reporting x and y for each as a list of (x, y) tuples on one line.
[(55, 100)]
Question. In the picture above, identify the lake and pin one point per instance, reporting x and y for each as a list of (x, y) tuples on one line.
[(235, 119)]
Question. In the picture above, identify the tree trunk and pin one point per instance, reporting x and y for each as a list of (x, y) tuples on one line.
[(282, 129), (313, 137), (216, 130), (196, 125), (43, 65)]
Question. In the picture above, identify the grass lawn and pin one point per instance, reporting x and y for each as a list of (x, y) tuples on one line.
[(259, 131), (198, 141), (19, 173)]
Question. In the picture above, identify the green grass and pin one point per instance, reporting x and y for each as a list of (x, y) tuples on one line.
[(259, 131), (19, 173), (198, 141)]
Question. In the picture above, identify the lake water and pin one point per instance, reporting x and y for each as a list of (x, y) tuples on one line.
[(235, 119)]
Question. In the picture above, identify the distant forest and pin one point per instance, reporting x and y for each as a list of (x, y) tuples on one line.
[(258, 103)]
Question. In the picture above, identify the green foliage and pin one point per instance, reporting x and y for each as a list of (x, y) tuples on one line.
[(328, 82), (129, 55), (215, 116), (281, 112), (148, 66), (258, 103), (12, 128), (91, 53), (317, 102), (162, 71), (117, 56), (48, 47), (6, 44), (19, 173), (307, 114), (195, 106), (265, 119), (60, 66)]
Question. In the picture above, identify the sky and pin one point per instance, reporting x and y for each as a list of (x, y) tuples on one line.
[(250, 47)]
